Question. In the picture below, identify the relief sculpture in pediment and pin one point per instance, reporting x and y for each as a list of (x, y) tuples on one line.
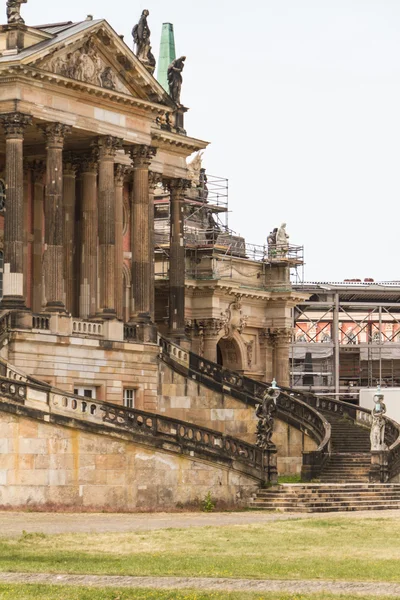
[(85, 64)]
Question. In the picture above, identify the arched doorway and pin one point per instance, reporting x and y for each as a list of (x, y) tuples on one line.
[(229, 355)]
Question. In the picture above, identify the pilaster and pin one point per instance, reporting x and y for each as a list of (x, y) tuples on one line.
[(282, 354), (14, 125), (54, 218)]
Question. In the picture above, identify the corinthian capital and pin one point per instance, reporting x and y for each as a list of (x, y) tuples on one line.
[(55, 133), (177, 185), (108, 146), (142, 155), (120, 173), (15, 123)]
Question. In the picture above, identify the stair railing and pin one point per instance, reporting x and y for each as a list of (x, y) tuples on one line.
[(290, 407)]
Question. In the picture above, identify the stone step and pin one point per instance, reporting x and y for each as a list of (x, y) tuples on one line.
[(301, 509)]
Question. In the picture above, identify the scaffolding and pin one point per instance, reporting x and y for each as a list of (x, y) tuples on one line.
[(347, 337), (213, 250)]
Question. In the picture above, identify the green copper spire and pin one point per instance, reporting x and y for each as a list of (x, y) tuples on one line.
[(167, 54)]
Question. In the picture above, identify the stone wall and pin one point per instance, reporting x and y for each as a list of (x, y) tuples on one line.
[(68, 362), (186, 399), (45, 465)]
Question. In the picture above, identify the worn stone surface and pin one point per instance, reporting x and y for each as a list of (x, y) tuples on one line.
[(46, 464)]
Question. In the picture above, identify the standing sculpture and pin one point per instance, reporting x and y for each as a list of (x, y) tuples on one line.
[(378, 423), (271, 241), (265, 414), (14, 11), (175, 79), (141, 37), (282, 238)]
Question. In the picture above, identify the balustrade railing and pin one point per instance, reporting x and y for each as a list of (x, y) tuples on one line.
[(41, 322), (82, 327), (188, 437), (304, 410)]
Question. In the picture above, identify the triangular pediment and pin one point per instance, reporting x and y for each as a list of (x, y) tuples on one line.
[(97, 56), (85, 63)]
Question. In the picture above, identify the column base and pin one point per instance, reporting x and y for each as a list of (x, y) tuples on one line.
[(107, 314), (141, 332), (55, 307), (13, 303)]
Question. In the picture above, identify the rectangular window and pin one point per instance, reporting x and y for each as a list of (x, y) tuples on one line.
[(129, 398), (86, 391)]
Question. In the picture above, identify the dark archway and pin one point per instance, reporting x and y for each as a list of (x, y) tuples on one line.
[(229, 355)]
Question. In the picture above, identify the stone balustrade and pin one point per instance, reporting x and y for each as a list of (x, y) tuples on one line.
[(82, 327), (170, 434)]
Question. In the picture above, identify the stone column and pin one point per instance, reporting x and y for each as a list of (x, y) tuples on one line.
[(69, 193), (177, 259), (154, 179), (14, 125), (107, 147), (140, 235), (282, 354), (267, 341), (120, 173), (39, 170), (54, 217), (89, 230)]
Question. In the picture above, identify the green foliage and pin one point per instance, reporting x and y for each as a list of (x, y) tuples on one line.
[(289, 479), (208, 504)]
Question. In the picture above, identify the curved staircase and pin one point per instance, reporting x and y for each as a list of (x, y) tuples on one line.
[(348, 476)]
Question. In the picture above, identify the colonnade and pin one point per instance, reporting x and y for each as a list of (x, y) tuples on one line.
[(79, 198)]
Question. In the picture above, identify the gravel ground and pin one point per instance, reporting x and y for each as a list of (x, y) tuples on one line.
[(204, 583), (13, 523)]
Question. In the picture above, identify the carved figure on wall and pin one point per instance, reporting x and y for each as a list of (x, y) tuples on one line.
[(201, 341), (194, 167), (249, 349), (14, 11), (84, 64), (282, 238), (265, 415), (377, 435), (233, 319), (175, 79), (108, 79)]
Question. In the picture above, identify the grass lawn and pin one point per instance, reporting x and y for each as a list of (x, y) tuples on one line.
[(334, 548), (43, 592)]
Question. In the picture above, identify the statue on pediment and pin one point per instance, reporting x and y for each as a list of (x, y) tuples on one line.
[(141, 37), (14, 11), (175, 78)]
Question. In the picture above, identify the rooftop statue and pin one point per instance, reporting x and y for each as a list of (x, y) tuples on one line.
[(14, 11), (282, 243), (141, 37), (175, 78)]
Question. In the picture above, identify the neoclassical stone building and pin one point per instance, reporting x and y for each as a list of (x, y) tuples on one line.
[(89, 139)]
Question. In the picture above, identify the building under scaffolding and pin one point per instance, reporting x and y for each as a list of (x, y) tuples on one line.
[(346, 337), (211, 246)]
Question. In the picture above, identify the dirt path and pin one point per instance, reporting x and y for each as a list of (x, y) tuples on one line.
[(204, 583), (13, 523)]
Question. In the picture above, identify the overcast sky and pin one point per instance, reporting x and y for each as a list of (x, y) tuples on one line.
[(301, 101)]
